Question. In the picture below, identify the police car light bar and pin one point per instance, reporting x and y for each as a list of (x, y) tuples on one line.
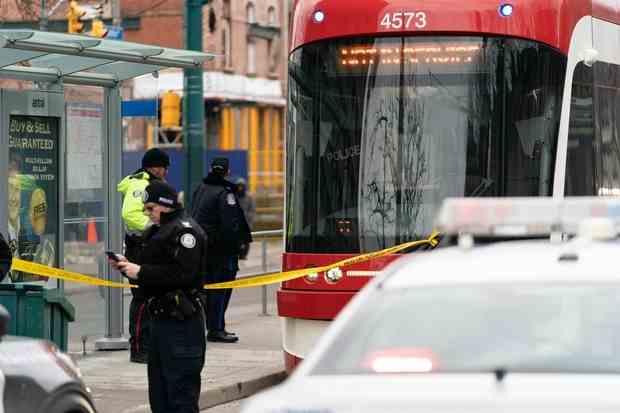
[(515, 217)]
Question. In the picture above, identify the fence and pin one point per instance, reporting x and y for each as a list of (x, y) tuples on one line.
[(264, 237)]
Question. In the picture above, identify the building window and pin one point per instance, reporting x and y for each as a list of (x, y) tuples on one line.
[(251, 13), (272, 18), (251, 57), (226, 9), (273, 50), (226, 44)]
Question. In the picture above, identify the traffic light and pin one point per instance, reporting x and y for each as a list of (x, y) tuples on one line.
[(73, 17), (170, 110), (98, 29)]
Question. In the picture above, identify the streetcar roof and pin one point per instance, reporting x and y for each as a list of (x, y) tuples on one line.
[(534, 261), (364, 17)]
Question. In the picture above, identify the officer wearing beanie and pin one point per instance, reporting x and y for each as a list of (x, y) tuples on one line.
[(216, 208), (170, 272), (155, 163)]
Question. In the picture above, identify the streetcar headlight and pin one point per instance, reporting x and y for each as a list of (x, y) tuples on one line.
[(333, 275), (505, 10), (318, 16), (312, 277)]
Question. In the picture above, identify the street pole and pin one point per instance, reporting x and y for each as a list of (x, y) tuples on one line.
[(43, 19), (193, 102), (116, 13)]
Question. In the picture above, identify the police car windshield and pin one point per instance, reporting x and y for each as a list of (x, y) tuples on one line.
[(518, 328)]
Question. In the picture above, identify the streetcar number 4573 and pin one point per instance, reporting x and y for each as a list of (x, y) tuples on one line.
[(404, 20)]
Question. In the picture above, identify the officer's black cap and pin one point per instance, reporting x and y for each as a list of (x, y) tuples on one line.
[(161, 193), (155, 157), (220, 164)]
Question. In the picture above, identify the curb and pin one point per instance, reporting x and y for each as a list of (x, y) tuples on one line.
[(226, 394), (240, 390)]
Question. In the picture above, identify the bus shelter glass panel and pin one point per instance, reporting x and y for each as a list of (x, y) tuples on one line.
[(33, 191), (84, 210)]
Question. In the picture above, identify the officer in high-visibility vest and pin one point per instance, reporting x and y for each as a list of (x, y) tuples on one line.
[(155, 164)]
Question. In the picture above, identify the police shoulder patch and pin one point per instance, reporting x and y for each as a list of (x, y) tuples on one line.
[(138, 194), (188, 241), (230, 199)]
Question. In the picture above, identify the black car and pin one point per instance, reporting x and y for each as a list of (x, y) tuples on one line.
[(35, 376)]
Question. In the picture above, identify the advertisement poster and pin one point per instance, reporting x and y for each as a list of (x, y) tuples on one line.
[(84, 147), (33, 191)]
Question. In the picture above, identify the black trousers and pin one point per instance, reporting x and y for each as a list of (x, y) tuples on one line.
[(218, 300), (176, 358), (139, 318), (139, 328)]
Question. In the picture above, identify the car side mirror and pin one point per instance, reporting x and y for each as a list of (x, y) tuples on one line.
[(5, 319)]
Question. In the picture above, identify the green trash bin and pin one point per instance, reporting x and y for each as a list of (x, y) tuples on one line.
[(59, 312), (38, 312), (8, 298)]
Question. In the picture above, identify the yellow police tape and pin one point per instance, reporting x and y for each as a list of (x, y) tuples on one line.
[(40, 269), (265, 279)]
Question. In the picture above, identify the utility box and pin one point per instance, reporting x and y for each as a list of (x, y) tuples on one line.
[(38, 312)]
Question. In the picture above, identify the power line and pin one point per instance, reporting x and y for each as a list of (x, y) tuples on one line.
[(151, 7)]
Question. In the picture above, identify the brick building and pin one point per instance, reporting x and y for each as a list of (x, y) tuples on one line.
[(244, 87)]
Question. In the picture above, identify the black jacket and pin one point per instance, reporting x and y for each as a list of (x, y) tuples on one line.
[(216, 208), (6, 258), (173, 255)]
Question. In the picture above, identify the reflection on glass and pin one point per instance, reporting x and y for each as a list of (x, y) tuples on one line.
[(382, 130)]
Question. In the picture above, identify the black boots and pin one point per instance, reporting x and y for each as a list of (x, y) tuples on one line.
[(221, 336)]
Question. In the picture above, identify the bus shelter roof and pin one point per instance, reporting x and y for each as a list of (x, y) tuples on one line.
[(78, 59)]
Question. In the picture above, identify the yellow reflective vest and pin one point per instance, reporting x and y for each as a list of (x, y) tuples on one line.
[(132, 187)]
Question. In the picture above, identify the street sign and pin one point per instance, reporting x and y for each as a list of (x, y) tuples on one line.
[(115, 33)]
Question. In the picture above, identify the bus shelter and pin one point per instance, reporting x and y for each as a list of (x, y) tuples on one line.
[(34, 142)]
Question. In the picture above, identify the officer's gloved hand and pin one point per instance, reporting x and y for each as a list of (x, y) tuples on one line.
[(243, 251)]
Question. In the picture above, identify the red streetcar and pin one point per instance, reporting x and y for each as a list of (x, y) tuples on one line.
[(395, 105)]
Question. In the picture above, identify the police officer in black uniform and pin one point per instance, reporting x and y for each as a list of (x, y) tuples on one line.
[(170, 270), (216, 208)]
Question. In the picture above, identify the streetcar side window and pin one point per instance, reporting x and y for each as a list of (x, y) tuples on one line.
[(593, 158), (580, 162), (607, 127)]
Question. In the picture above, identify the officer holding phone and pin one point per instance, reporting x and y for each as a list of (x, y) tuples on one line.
[(170, 270)]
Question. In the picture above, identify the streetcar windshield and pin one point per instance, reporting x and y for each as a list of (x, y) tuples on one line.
[(381, 130)]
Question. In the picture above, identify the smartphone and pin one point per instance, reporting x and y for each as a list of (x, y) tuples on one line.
[(112, 255), (115, 257)]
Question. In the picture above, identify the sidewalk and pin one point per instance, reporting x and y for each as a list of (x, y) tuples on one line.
[(232, 371)]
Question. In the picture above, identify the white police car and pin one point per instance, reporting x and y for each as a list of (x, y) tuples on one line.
[(36, 377), (508, 327)]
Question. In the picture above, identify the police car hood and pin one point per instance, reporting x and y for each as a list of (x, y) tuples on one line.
[(442, 393)]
